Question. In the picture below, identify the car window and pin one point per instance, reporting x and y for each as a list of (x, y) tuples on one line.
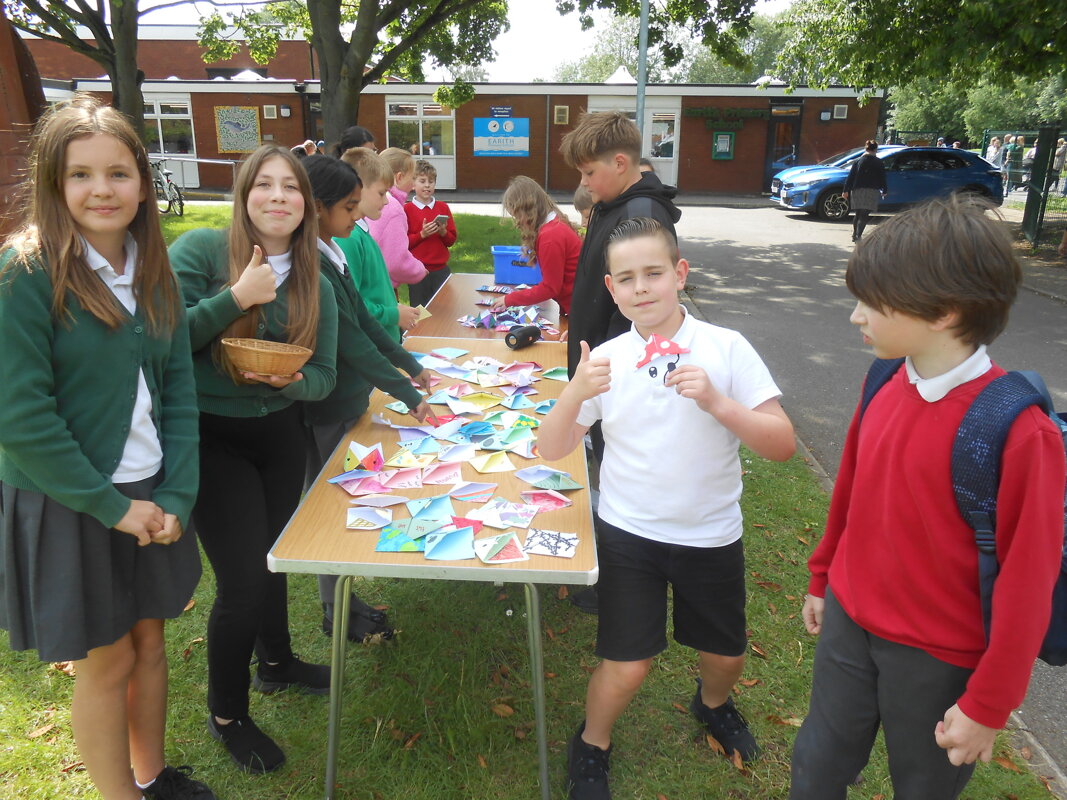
[(950, 161), (919, 161)]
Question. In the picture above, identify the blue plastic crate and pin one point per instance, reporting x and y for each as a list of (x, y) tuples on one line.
[(509, 266)]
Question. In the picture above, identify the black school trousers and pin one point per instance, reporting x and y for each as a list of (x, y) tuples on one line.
[(251, 475)]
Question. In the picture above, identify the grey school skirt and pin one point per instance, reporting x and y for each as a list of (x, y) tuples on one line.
[(864, 199), (68, 584)]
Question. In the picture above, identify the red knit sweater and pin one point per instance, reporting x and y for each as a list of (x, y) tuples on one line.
[(433, 250), (903, 563), (557, 247)]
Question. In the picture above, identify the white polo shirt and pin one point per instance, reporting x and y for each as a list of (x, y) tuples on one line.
[(671, 472), (142, 456)]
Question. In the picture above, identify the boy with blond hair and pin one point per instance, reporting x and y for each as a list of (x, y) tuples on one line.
[(675, 382), (894, 593), (365, 259)]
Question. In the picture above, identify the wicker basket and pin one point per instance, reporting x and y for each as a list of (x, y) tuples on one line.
[(265, 357)]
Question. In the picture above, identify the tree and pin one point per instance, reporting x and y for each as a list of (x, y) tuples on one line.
[(760, 48), (384, 37), (928, 105), (615, 45), (114, 28), (866, 43)]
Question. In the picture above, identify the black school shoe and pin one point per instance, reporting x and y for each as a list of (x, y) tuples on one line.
[(587, 769), (587, 600), (364, 622), (727, 725), (174, 783), (292, 674), (249, 747)]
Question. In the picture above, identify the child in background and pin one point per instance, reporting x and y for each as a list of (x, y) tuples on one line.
[(98, 466), (583, 204), (258, 279), (894, 590), (390, 228), (367, 357), (362, 253), (550, 239), (697, 392), (429, 241)]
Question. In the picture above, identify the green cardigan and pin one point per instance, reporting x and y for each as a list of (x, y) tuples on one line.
[(67, 391), (366, 357), (368, 270), (200, 257)]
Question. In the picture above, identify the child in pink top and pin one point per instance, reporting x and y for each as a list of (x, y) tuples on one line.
[(549, 237), (390, 230)]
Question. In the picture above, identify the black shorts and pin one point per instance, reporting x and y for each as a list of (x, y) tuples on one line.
[(709, 596)]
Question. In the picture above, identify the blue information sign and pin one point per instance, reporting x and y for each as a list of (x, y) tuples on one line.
[(502, 137)]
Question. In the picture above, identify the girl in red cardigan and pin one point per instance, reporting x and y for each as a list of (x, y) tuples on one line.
[(549, 237)]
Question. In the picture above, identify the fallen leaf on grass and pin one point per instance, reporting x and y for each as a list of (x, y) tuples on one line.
[(714, 744), (749, 682), (520, 734), (381, 607), (563, 593), (758, 525), (758, 650), (502, 709), (188, 651), (680, 708), (769, 585), (735, 759), (482, 762), (411, 740), (794, 721), (878, 797), (40, 731), (772, 608), (661, 796), (502, 596), (72, 767), (190, 605), (66, 667), (550, 675), (803, 541), (1007, 763), (551, 634)]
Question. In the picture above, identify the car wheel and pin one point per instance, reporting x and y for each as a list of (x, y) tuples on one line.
[(831, 205)]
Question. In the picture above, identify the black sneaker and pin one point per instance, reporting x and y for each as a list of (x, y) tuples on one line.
[(587, 769), (249, 747), (294, 673), (727, 725), (174, 783), (364, 622), (587, 600)]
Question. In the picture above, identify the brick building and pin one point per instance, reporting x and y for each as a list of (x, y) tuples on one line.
[(702, 138)]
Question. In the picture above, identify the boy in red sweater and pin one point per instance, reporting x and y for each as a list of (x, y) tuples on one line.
[(894, 592), (428, 238)]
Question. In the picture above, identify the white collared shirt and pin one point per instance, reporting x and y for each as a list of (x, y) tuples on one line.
[(281, 266), (551, 216), (142, 455), (933, 389), (363, 224), (333, 252), (419, 204)]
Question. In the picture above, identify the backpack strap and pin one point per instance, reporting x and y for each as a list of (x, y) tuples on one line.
[(878, 375), (976, 454)]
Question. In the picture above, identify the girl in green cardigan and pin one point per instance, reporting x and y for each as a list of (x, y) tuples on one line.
[(258, 279), (367, 356), (98, 431)]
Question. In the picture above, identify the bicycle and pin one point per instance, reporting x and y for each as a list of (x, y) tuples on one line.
[(168, 195)]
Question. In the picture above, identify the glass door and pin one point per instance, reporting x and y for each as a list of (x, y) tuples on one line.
[(661, 144), (783, 136), (428, 130)]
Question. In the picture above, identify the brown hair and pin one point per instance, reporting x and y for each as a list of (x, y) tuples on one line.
[(426, 168), (601, 135), (370, 166), (399, 160), (948, 254), (302, 324), (636, 228), (871, 146), (529, 204), (48, 233)]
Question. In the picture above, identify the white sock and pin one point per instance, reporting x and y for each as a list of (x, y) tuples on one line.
[(144, 785)]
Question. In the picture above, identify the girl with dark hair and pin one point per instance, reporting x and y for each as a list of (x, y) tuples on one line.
[(864, 186), (355, 136), (258, 279), (367, 356)]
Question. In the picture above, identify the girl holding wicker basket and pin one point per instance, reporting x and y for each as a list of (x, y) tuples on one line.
[(258, 280)]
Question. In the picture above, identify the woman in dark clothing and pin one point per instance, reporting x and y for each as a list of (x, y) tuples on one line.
[(864, 186)]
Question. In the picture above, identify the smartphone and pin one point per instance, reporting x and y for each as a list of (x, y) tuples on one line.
[(441, 220)]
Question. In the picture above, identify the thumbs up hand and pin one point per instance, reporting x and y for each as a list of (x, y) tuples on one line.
[(592, 377), (256, 284)]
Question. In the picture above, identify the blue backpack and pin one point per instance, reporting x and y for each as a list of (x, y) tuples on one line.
[(976, 454)]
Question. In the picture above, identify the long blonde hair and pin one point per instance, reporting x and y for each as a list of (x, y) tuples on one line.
[(48, 234), (302, 323), (529, 204)]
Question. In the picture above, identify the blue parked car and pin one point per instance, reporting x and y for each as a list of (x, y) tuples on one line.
[(913, 174)]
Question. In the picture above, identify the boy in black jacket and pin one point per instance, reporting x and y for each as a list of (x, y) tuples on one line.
[(606, 148)]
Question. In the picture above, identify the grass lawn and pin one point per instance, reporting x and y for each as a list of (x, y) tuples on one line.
[(444, 711)]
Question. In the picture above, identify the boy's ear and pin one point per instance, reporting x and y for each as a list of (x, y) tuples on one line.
[(610, 285), (681, 270), (946, 321)]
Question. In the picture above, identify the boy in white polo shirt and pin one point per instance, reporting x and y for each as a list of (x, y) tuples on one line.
[(676, 396)]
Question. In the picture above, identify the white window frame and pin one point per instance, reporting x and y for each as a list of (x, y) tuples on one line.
[(445, 165), (186, 174)]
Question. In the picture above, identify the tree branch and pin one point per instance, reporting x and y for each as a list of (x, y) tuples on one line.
[(443, 13)]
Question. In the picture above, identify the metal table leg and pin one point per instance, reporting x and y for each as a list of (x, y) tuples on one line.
[(341, 611), (537, 681)]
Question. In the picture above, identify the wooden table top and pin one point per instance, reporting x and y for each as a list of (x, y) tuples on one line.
[(456, 298), (316, 540)]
